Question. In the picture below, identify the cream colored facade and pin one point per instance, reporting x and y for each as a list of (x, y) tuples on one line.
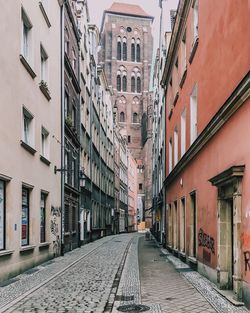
[(132, 193), (29, 134)]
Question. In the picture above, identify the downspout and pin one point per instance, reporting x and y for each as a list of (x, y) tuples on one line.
[(61, 3)]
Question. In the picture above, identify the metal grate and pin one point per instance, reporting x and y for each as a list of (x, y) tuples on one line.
[(134, 308), (124, 298)]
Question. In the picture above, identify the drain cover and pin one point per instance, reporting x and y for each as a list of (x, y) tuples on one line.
[(134, 308)]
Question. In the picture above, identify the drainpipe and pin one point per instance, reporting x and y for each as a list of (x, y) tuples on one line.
[(61, 3)]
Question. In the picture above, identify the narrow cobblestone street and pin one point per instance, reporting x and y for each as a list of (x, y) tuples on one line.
[(106, 276)]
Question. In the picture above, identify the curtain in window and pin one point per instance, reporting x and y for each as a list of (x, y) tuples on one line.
[(118, 82), (124, 83), (138, 53)]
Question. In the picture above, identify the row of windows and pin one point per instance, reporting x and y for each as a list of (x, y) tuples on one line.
[(193, 131), (25, 216), (121, 83), (122, 50), (135, 118)]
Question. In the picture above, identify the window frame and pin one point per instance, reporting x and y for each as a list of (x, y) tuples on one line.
[(26, 43), (3, 213), (43, 227), (25, 241)]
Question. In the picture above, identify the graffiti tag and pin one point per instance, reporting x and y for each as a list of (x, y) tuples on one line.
[(206, 241)]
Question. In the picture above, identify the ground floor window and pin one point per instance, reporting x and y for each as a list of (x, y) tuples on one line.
[(2, 215), (43, 218), (25, 217)]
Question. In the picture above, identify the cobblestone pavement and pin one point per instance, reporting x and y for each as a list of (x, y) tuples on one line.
[(162, 284), (84, 287), (109, 273)]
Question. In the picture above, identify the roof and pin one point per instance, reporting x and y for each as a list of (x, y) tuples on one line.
[(128, 9)]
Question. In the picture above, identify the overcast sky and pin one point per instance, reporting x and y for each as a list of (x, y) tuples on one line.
[(96, 8)]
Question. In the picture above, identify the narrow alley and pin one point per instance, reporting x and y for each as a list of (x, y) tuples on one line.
[(122, 273)]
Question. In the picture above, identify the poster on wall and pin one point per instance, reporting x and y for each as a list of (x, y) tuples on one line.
[(1, 215)]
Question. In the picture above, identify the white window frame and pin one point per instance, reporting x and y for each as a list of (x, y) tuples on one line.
[(175, 146), (44, 64), (193, 115), (183, 132), (195, 20), (45, 143), (26, 36), (170, 150), (27, 128)]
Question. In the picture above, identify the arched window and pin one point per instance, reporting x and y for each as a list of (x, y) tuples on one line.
[(124, 83), (124, 49), (138, 53), (135, 118), (133, 50), (119, 49), (132, 84), (122, 117), (138, 84), (118, 82)]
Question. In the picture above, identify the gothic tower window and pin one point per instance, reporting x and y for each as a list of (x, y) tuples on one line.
[(124, 49), (133, 84), (133, 50), (122, 117), (118, 82), (119, 49), (135, 117), (138, 51), (124, 83), (138, 84)]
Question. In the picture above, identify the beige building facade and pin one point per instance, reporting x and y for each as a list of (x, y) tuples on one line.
[(30, 146)]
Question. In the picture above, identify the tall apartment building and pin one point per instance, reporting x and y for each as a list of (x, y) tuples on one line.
[(207, 82), (30, 132), (126, 53), (71, 127)]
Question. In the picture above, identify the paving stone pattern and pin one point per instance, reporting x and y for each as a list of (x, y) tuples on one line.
[(161, 284), (84, 287)]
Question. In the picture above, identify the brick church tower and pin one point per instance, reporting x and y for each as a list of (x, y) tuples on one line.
[(126, 53)]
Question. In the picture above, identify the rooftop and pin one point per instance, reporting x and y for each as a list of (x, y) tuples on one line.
[(128, 9)]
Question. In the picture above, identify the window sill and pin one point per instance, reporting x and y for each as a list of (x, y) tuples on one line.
[(45, 91), (44, 160), (193, 50), (6, 252), (44, 245), (27, 66), (27, 248), (183, 78), (28, 147), (44, 14)]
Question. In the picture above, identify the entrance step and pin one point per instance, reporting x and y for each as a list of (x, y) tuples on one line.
[(230, 296)]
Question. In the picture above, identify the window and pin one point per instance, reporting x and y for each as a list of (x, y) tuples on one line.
[(44, 65), (43, 217), (124, 83), (170, 155), (138, 83), (66, 104), (74, 172), (132, 84), (122, 117), (73, 60), (175, 146), (183, 54), (73, 115), (124, 49), (26, 36), (45, 143), (183, 132), (133, 50), (119, 49), (66, 167), (193, 230), (193, 115), (195, 20), (183, 225), (66, 43), (135, 117), (118, 83), (138, 52), (25, 217), (129, 139), (2, 215), (27, 127), (66, 218), (140, 186)]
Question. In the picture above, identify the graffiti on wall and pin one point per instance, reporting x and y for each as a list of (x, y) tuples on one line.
[(55, 214), (206, 241), (247, 260)]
